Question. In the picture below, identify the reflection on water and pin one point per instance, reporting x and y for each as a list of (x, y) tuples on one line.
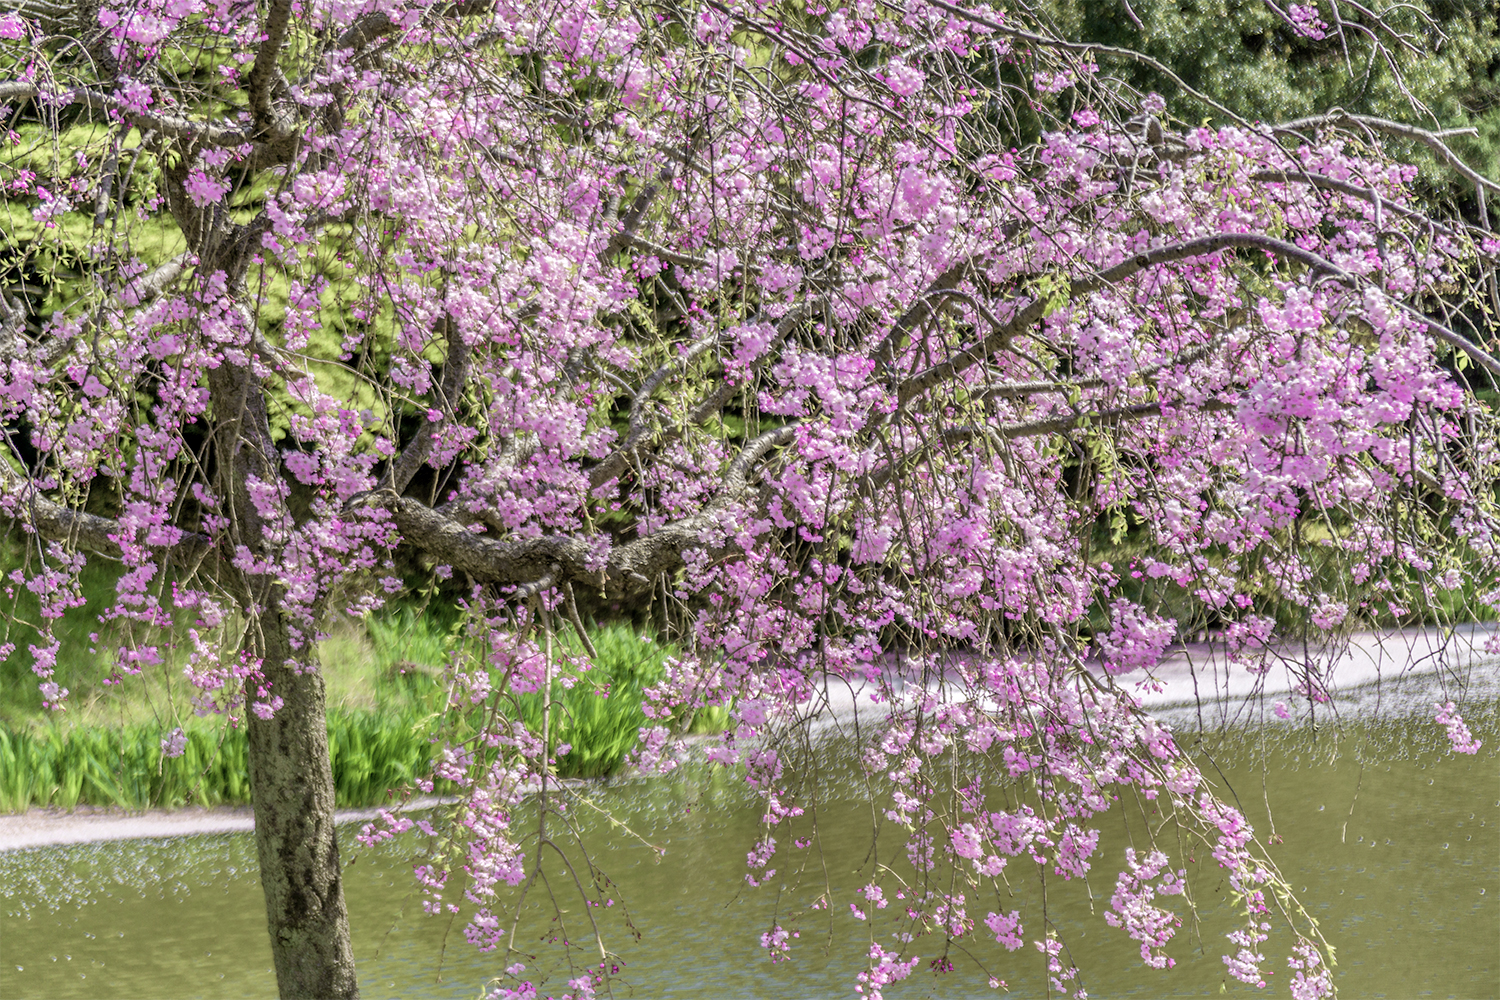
[(1398, 857)]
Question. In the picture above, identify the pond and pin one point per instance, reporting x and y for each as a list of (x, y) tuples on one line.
[(1395, 847)]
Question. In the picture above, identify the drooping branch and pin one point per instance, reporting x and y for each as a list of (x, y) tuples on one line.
[(1035, 310), (145, 289), (1354, 191), (173, 126), (52, 16), (1061, 424), (1086, 49), (1432, 140)]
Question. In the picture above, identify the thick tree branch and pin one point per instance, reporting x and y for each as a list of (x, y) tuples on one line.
[(1020, 390), (583, 559), (373, 27), (1353, 191), (1060, 424), (1076, 421), (259, 81), (12, 328), (636, 214), (23, 502), (451, 543), (924, 308)]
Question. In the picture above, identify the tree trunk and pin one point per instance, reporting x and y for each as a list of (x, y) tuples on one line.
[(291, 788), (291, 777)]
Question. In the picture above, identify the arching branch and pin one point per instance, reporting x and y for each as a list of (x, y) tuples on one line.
[(1434, 141), (1036, 309), (588, 560)]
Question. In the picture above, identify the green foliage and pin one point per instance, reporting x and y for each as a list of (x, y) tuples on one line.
[(373, 753), (1243, 55), (598, 711), (81, 663), (407, 638), (384, 703), (65, 766), (386, 700)]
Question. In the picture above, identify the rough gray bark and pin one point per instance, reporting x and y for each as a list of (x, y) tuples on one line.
[(291, 777), (291, 788), (553, 560)]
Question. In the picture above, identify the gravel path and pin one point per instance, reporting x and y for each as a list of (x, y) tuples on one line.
[(1372, 674), (90, 824)]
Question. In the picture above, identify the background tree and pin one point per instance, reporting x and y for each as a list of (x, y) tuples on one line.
[(1432, 64), (894, 346)]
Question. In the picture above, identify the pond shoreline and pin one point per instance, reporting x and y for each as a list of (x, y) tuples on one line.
[(52, 827), (1391, 674)]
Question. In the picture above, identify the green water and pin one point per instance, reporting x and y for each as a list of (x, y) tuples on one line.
[(1398, 857)]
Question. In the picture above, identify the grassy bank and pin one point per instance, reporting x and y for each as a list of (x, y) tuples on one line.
[(387, 689), (65, 766)]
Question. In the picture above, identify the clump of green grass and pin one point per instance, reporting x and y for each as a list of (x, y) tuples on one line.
[(67, 766), (386, 697), (374, 753), (407, 637), (598, 712)]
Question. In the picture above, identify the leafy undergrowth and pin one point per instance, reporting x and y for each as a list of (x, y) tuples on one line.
[(598, 712), (65, 766), (386, 692)]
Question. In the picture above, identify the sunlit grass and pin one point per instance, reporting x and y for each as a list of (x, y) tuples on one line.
[(66, 766), (599, 713), (387, 690)]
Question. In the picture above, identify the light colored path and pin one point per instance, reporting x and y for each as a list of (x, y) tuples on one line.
[(1200, 672), (90, 824), (1413, 667)]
